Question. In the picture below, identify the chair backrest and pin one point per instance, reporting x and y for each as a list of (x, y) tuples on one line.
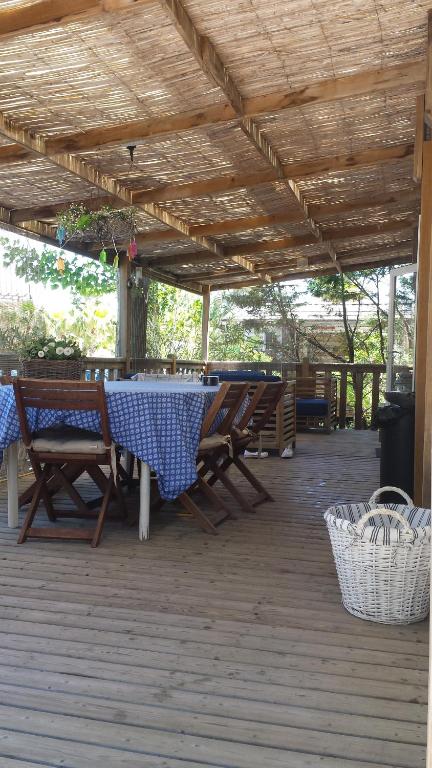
[(262, 404), (60, 395), (6, 380), (320, 385), (228, 401)]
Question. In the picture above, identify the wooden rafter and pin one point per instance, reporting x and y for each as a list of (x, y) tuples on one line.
[(230, 182), (428, 85), (335, 89), (304, 274), (293, 261), (228, 226), (323, 91), (284, 243), (45, 13), (212, 65), (109, 185)]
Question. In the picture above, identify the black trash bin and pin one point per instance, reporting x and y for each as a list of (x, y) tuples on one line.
[(395, 421)]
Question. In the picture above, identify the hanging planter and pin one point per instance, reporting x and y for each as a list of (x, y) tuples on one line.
[(107, 226)]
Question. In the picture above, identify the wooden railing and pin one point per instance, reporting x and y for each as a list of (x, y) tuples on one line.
[(361, 386)]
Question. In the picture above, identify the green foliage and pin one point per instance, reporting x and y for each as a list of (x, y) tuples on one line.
[(228, 338), (84, 277), (173, 323), (20, 323)]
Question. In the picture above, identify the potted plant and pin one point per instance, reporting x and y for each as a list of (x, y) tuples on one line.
[(51, 358)]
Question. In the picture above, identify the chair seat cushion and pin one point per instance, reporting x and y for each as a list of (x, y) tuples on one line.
[(312, 406), (212, 442), (243, 376), (64, 439)]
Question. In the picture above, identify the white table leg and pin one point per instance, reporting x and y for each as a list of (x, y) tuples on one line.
[(12, 485), (144, 514)]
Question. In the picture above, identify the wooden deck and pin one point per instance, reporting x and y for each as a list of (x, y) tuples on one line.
[(191, 650)]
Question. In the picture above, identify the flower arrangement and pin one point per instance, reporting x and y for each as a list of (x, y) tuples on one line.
[(107, 225), (53, 349)]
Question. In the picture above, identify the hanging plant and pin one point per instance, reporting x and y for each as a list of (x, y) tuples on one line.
[(108, 226)]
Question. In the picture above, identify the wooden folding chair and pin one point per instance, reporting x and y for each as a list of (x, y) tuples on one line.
[(255, 418), (213, 445), (60, 454)]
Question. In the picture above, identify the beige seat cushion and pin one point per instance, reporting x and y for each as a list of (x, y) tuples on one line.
[(212, 442), (64, 439)]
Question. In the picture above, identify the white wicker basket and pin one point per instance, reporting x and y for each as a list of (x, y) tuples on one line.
[(382, 555)]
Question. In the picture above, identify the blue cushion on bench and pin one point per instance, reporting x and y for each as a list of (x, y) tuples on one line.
[(243, 376), (311, 406)]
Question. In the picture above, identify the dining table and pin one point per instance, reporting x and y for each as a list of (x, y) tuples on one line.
[(157, 421)]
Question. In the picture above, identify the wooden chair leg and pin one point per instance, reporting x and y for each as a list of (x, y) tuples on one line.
[(103, 510), (264, 495), (37, 495), (216, 502), (199, 516), (72, 492), (229, 485)]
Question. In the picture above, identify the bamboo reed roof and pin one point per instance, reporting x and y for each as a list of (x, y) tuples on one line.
[(274, 138)]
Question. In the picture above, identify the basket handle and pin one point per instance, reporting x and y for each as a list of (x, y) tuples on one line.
[(384, 488), (382, 511)]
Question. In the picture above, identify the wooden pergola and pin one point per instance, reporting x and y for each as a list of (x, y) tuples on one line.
[(275, 140)]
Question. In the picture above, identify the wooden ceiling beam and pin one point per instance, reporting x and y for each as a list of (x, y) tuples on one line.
[(282, 244), (48, 212), (228, 226), (428, 85), (231, 182), (334, 89), (304, 275), (47, 13), (373, 253), (212, 66), (108, 185)]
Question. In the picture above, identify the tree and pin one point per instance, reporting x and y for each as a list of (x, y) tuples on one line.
[(346, 295), (20, 322), (84, 277), (228, 338), (275, 310)]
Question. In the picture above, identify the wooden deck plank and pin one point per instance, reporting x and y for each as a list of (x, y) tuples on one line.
[(219, 651)]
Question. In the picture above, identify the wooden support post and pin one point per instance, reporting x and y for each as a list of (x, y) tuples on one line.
[(423, 373), (124, 311), (305, 368), (205, 323)]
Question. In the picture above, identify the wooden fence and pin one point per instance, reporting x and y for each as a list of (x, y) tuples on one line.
[(361, 386)]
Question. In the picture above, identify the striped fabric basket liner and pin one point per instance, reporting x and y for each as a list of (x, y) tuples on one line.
[(382, 556)]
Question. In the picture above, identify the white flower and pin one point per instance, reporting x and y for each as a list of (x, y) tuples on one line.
[(60, 351), (68, 351), (45, 349), (41, 353), (51, 343)]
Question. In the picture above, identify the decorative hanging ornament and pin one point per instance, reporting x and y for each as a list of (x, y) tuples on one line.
[(60, 265), (103, 256), (131, 149), (132, 249), (60, 234), (115, 261)]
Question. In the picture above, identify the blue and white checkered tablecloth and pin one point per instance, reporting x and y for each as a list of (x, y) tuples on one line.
[(159, 423)]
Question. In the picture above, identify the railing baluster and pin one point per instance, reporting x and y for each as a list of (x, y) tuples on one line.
[(343, 398), (358, 395), (376, 379)]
